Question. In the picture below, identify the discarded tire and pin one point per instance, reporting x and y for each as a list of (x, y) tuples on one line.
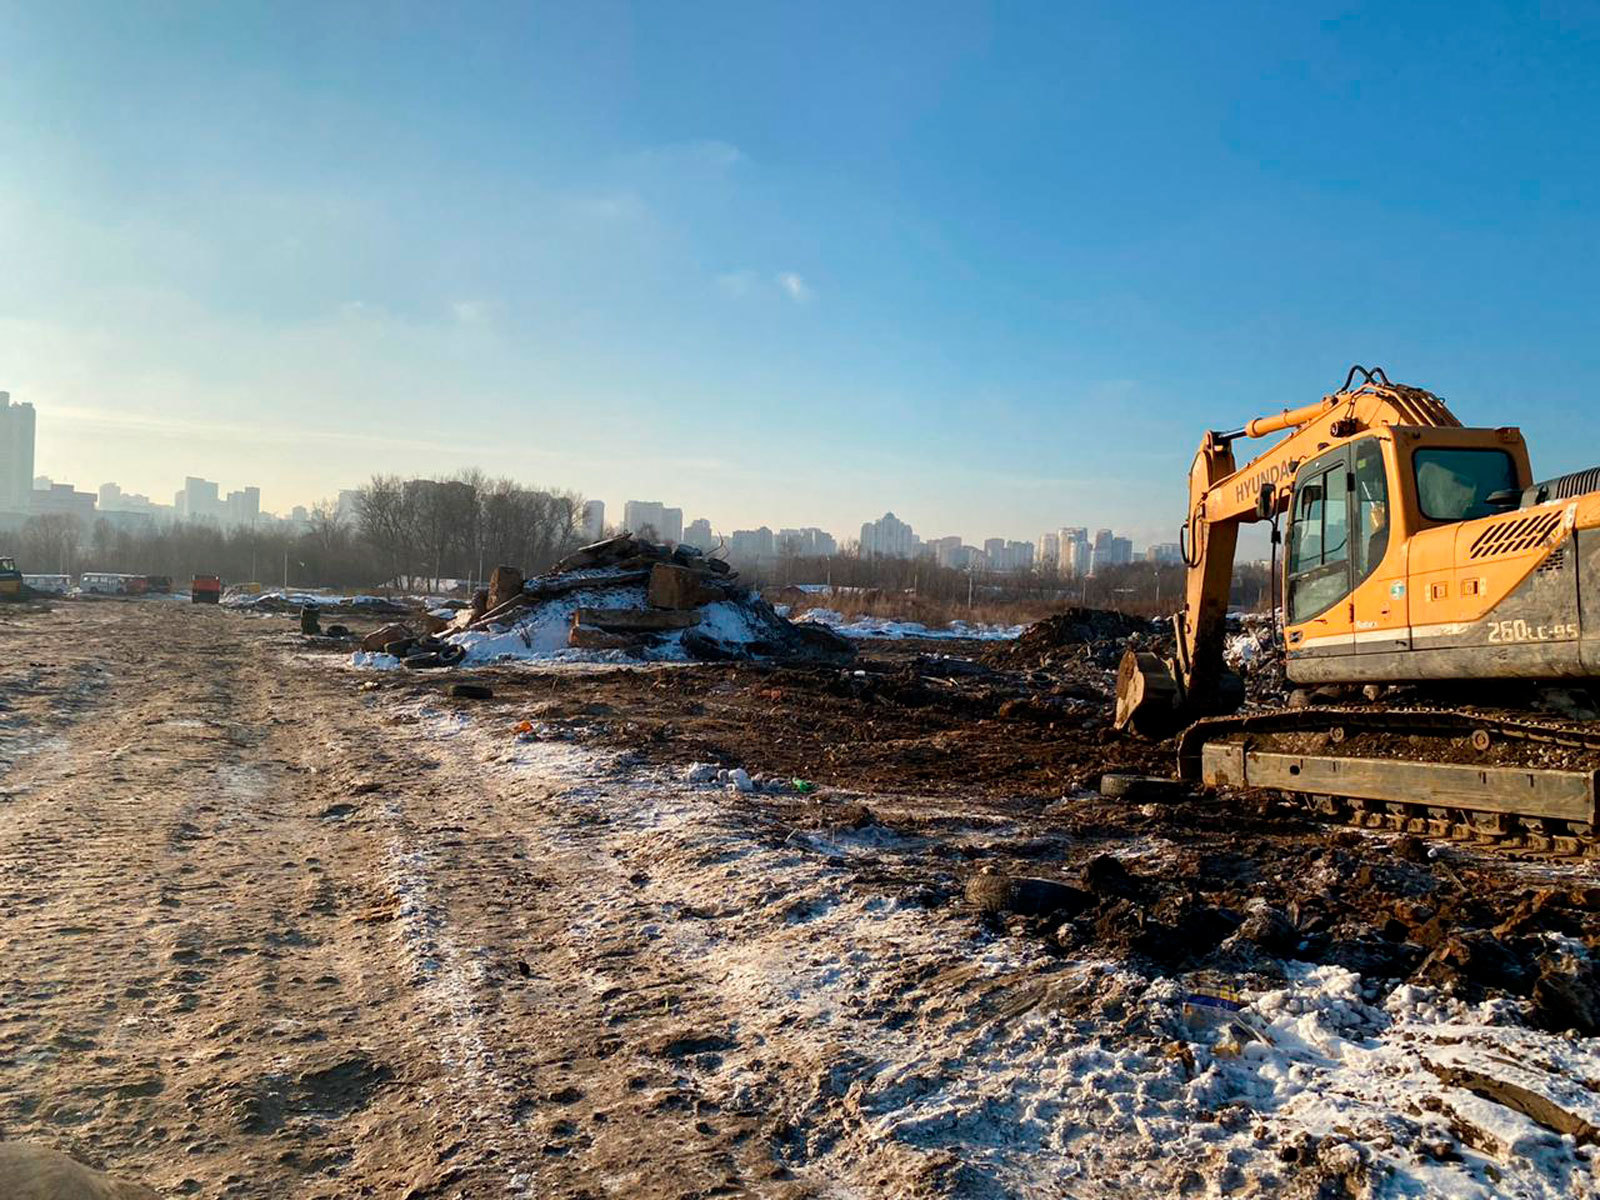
[(1140, 787), (1030, 897), (422, 662)]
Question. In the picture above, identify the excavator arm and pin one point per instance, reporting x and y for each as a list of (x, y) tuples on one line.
[(1154, 695)]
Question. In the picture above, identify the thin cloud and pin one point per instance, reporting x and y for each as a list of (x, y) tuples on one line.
[(111, 420), (795, 287), (699, 152), (738, 284)]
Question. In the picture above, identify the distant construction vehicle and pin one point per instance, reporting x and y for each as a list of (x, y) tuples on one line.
[(1427, 573), (12, 586)]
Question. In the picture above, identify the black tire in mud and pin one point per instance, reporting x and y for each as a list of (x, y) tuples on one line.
[(1140, 788), (1029, 897)]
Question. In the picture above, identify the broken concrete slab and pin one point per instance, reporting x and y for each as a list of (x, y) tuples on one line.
[(505, 583), (1563, 1105), (589, 637), (379, 638), (679, 587), (635, 620)]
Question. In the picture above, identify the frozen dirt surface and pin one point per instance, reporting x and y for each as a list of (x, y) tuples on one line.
[(267, 931)]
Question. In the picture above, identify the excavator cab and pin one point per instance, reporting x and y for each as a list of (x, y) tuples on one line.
[(1373, 529)]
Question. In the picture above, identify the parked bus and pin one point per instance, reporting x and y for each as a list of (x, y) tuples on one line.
[(103, 583), (56, 585)]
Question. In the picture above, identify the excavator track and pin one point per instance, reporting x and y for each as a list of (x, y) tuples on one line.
[(1510, 781)]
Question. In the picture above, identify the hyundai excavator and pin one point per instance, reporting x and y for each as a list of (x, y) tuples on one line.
[(1436, 600)]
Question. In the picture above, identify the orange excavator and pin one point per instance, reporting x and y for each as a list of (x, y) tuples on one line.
[(1434, 596)]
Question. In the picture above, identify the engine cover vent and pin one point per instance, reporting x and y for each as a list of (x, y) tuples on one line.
[(1514, 534)]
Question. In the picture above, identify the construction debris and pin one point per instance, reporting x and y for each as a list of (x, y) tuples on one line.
[(634, 598), (1090, 636)]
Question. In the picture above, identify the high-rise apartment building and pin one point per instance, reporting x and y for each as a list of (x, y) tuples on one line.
[(698, 534), (1072, 550), (199, 501), (751, 545), (65, 499), (809, 542), (640, 515), (242, 508), (17, 431), (888, 537)]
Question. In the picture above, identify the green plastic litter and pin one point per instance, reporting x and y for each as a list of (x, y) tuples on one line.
[(802, 785)]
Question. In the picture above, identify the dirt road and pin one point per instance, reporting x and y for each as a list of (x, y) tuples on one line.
[(270, 927), (255, 944)]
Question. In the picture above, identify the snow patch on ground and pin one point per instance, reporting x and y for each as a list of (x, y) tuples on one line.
[(375, 660), (924, 1053), (880, 627)]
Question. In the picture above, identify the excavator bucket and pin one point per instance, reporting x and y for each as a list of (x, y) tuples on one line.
[(1147, 695)]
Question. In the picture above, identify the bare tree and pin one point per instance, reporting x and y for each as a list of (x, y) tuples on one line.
[(51, 539), (385, 512)]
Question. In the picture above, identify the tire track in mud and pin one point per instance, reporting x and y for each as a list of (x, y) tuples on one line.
[(745, 980), (186, 998), (489, 906)]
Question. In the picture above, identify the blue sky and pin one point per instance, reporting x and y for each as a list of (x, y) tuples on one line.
[(993, 267)]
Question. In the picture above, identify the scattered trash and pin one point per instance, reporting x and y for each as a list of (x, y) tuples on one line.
[(804, 786)]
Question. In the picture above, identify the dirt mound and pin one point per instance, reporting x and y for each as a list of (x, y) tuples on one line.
[(1078, 634)]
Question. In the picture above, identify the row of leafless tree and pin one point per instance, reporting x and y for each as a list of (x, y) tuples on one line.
[(325, 551), (406, 532), (463, 526), (1141, 589)]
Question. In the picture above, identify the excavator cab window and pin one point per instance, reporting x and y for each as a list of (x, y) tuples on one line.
[(1372, 509), (1319, 538), (1455, 484)]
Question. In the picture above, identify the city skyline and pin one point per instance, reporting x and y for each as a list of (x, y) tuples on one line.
[(202, 499)]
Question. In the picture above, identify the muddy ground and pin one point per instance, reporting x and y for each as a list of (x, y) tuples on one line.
[(270, 926)]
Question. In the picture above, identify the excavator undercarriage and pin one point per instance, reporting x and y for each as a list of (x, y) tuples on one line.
[(1504, 779)]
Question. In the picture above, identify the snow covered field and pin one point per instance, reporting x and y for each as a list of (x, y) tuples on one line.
[(906, 1048)]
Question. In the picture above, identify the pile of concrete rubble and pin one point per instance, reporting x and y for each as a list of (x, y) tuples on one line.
[(627, 596)]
